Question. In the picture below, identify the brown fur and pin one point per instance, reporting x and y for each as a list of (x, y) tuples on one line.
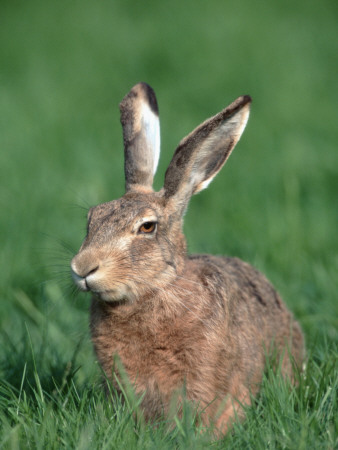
[(175, 320), (136, 142)]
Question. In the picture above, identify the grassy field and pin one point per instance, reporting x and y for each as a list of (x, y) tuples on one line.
[(64, 67)]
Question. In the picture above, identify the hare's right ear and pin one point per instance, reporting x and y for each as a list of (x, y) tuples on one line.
[(141, 136), (201, 154)]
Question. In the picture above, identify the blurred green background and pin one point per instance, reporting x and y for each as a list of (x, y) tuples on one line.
[(64, 68)]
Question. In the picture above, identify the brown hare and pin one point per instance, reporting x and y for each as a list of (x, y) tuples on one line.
[(199, 321)]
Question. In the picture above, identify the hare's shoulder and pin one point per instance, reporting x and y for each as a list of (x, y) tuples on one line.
[(240, 280)]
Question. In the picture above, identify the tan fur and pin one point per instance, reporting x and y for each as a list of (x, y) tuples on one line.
[(199, 322)]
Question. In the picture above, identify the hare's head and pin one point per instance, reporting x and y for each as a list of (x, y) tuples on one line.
[(134, 245)]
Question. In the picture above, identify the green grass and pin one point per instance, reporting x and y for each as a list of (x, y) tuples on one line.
[(64, 67)]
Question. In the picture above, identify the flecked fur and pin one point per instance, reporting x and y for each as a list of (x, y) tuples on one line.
[(203, 322)]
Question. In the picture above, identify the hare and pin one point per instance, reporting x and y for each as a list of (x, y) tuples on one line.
[(199, 321)]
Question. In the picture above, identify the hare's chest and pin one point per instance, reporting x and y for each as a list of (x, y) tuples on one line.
[(157, 360)]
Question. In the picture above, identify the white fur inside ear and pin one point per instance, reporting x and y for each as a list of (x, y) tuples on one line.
[(243, 120), (204, 184), (151, 127)]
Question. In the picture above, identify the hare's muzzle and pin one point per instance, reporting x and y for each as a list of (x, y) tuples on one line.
[(102, 280), (82, 276), (79, 281)]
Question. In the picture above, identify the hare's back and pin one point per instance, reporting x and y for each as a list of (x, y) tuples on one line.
[(242, 284), (253, 307)]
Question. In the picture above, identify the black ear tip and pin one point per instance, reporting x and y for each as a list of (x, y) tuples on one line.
[(237, 105), (150, 94), (247, 99), (244, 100)]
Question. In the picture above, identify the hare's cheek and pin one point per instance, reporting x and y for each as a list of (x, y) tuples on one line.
[(146, 255)]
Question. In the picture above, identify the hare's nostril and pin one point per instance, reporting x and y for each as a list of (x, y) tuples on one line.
[(92, 271)]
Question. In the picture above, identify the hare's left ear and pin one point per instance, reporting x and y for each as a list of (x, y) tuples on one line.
[(141, 136), (202, 154)]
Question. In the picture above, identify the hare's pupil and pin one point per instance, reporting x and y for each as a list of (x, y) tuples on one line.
[(148, 225)]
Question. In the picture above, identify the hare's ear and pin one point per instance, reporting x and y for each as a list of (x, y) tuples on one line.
[(201, 154), (141, 136)]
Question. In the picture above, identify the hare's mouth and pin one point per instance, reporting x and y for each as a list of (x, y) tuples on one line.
[(100, 292), (80, 281)]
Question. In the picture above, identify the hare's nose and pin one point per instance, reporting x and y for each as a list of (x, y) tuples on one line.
[(91, 272), (83, 265), (87, 277), (78, 280)]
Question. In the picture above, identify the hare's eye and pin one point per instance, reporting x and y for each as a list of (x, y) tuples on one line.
[(147, 227)]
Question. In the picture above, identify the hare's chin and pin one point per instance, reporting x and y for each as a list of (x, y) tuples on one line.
[(110, 296)]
